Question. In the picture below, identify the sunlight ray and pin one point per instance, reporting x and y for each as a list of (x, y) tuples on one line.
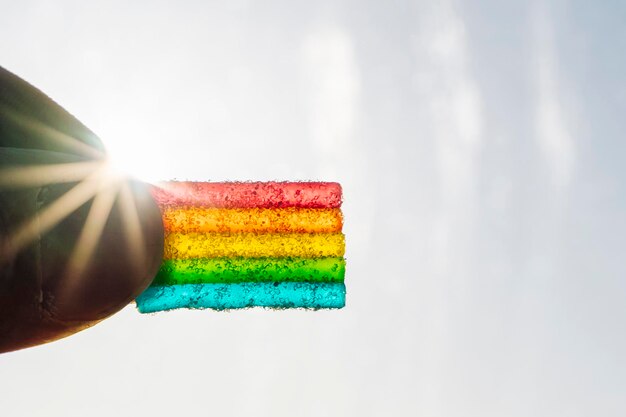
[(51, 134), (40, 175), (51, 215), (90, 233), (132, 226)]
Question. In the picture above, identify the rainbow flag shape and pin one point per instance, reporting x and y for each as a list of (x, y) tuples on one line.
[(245, 244)]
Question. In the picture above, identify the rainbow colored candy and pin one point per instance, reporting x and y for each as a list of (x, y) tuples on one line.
[(243, 244)]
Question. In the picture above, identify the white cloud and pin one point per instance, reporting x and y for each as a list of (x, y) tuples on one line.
[(553, 135)]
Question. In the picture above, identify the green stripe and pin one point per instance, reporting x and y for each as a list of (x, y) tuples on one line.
[(228, 270)]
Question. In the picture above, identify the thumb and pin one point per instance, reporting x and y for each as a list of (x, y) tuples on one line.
[(77, 244)]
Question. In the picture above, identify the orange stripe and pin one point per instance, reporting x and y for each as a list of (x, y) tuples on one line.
[(284, 220)]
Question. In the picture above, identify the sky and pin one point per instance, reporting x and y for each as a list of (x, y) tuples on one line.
[(478, 146)]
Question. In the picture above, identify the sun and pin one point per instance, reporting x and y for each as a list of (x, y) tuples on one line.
[(133, 159), (132, 154)]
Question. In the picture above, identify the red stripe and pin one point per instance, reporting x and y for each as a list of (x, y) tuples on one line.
[(248, 194)]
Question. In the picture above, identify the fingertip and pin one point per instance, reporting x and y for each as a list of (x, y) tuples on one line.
[(89, 285)]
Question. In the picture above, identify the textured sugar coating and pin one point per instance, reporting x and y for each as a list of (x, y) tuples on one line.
[(237, 245), (248, 194), (228, 270), (283, 220), (243, 295), (253, 245)]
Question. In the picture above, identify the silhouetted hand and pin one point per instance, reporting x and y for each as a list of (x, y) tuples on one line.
[(77, 241)]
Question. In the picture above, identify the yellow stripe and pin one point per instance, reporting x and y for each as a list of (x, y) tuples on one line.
[(214, 245), (285, 220)]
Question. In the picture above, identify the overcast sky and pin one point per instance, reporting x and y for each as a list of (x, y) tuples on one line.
[(481, 149)]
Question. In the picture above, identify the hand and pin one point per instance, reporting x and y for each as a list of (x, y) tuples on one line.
[(77, 242)]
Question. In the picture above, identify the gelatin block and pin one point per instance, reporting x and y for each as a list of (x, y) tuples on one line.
[(233, 245), (229, 270), (243, 295), (248, 194), (253, 245), (262, 220)]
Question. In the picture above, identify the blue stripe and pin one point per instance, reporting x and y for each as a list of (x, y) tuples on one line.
[(242, 295)]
